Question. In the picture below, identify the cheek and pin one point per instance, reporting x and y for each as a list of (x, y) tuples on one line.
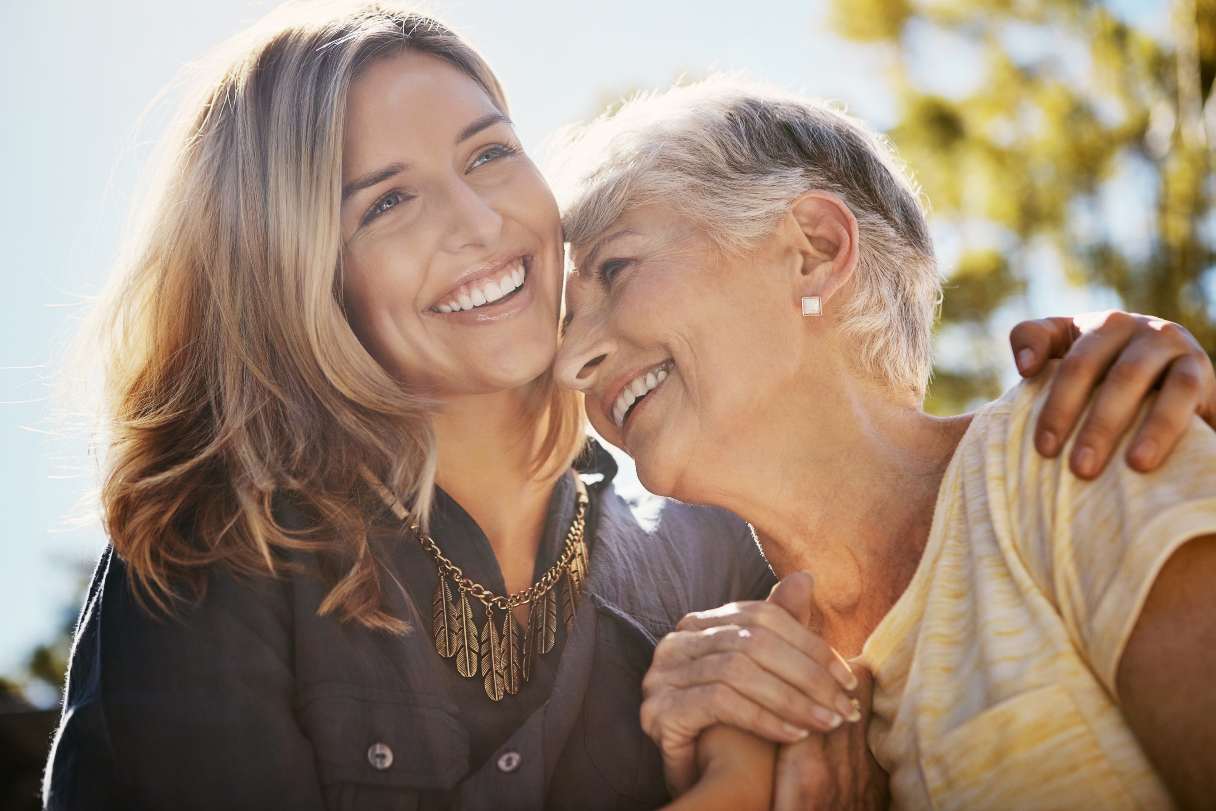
[(380, 301)]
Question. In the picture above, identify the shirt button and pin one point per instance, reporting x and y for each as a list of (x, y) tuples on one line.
[(509, 762), (380, 756)]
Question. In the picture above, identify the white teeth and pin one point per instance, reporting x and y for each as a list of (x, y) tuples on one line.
[(635, 390), (487, 291)]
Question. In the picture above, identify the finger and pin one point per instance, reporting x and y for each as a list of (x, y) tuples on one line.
[(727, 614), (1170, 416), (802, 776), (1035, 342), (817, 703), (767, 650), (777, 620), (1116, 404), (671, 719), (823, 678), (795, 593), (680, 766), (1088, 359)]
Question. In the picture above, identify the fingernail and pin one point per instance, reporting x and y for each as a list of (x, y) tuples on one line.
[(849, 708), (826, 717), (840, 672), (1145, 453), (1048, 442), (1086, 460), (797, 733), (1025, 359)]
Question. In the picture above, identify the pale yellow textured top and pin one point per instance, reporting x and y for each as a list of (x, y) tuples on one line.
[(995, 670)]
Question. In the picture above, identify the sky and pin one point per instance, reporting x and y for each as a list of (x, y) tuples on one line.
[(77, 85)]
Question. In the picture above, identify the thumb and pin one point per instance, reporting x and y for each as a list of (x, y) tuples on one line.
[(796, 594)]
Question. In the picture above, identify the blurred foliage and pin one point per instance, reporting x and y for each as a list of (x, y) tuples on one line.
[(1029, 153), (40, 680)]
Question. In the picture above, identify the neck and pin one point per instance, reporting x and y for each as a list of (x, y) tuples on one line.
[(847, 495), (486, 451)]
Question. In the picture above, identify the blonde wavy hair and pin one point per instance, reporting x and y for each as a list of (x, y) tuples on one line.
[(234, 380)]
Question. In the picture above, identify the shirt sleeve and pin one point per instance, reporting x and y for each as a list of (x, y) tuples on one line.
[(1107, 539), (189, 711)]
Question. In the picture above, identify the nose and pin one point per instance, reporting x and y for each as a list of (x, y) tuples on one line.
[(473, 222), (584, 348)]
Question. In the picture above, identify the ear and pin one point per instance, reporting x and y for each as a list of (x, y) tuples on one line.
[(826, 236)]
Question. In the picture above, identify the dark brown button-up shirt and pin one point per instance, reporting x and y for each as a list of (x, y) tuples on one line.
[(252, 700)]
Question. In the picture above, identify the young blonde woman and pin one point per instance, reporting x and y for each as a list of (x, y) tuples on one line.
[(1038, 639), (351, 564)]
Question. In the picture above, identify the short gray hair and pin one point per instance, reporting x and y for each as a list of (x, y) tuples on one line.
[(731, 156)]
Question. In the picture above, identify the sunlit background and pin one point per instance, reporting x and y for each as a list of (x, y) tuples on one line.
[(1064, 147)]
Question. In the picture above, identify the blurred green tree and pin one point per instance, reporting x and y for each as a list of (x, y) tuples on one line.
[(1069, 97)]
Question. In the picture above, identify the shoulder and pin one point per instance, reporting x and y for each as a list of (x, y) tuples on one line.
[(238, 623), (1093, 547), (1050, 500), (662, 530), (661, 558)]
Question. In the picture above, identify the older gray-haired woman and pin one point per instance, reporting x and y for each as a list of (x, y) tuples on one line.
[(750, 320)]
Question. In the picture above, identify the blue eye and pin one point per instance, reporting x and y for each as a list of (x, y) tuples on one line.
[(385, 204), (492, 154)]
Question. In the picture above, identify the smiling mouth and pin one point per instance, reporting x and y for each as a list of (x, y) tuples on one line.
[(487, 290), (637, 390)]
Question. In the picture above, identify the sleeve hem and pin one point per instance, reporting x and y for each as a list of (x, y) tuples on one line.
[(1156, 544)]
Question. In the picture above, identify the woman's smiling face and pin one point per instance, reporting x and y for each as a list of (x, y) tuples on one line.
[(452, 252), (677, 346)]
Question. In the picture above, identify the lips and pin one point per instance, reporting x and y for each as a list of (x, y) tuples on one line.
[(485, 286)]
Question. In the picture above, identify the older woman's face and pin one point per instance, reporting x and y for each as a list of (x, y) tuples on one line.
[(677, 347), (452, 243)]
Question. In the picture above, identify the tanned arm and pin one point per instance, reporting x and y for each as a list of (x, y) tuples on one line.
[(736, 772), (1165, 677)]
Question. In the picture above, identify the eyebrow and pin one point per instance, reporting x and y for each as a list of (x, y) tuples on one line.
[(487, 120), (371, 179), (380, 175)]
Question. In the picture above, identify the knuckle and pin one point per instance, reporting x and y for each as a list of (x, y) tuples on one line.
[(687, 621), (671, 746), (648, 716), (652, 683), (1117, 319), (1187, 378), (1175, 332), (664, 649)]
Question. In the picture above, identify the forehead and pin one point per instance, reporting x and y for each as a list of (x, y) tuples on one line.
[(406, 98), (653, 229)]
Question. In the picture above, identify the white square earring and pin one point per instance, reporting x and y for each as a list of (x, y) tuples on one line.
[(812, 305)]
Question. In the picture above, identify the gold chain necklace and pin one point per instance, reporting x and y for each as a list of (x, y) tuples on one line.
[(504, 661)]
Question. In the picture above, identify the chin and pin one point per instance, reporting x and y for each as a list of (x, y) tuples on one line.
[(657, 477), (521, 364)]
